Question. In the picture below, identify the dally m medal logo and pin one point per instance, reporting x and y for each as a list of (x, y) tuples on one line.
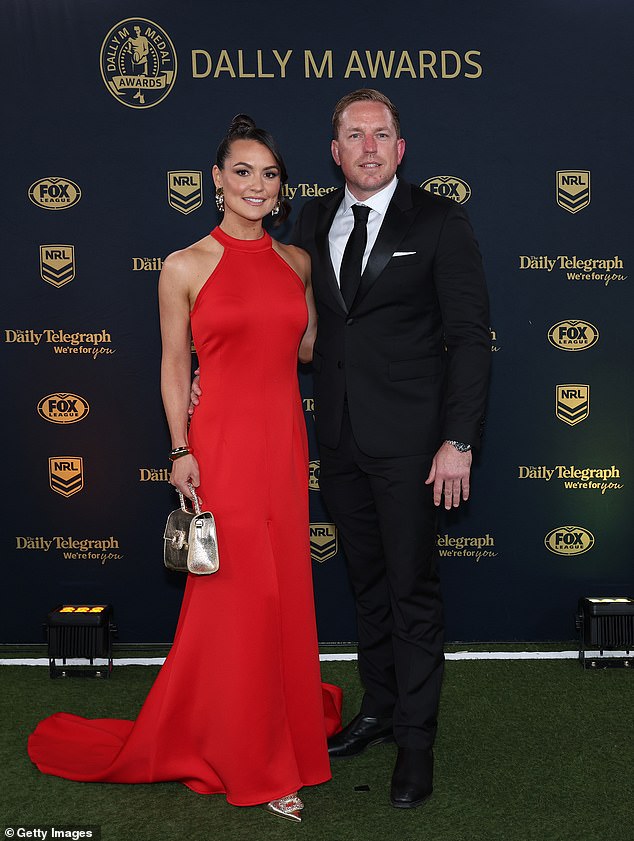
[(573, 335), (313, 475), (573, 189), (54, 193), (448, 186), (572, 403), (324, 541), (63, 407), (57, 264), (138, 63), (569, 540), (185, 190), (66, 474)]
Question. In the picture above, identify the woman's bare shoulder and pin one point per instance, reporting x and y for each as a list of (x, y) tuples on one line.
[(297, 258), (187, 263)]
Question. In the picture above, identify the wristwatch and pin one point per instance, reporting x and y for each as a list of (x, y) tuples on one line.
[(462, 448)]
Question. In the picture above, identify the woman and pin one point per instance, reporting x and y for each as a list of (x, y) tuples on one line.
[(238, 707)]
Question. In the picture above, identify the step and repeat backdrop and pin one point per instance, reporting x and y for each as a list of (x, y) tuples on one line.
[(113, 111)]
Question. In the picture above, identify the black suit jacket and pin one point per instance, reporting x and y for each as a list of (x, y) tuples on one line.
[(413, 352)]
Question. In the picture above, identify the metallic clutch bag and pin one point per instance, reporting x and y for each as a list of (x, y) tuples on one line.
[(190, 542)]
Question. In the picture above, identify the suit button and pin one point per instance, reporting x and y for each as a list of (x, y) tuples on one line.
[(340, 364), (350, 322)]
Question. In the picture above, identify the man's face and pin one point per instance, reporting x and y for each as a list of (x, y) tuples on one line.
[(367, 148)]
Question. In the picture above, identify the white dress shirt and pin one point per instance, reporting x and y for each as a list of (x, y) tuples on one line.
[(343, 223)]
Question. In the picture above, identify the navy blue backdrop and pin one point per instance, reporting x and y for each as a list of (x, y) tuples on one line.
[(112, 115)]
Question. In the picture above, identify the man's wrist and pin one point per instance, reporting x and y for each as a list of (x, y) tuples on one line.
[(460, 446)]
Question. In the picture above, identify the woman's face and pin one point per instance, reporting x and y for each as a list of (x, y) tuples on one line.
[(250, 179)]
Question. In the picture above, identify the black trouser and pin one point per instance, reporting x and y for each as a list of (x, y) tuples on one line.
[(387, 524)]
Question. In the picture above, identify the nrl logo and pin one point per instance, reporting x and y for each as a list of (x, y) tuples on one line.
[(185, 190), (324, 542), (572, 403), (57, 264), (448, 186), (66, 474), (573, 189)]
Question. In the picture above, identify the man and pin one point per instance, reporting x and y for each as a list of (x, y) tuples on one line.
[(401, 367)]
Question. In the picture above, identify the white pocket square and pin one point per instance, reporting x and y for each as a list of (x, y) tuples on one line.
[(403, 253)]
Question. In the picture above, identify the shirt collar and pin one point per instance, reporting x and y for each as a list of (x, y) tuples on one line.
[(379, 201)]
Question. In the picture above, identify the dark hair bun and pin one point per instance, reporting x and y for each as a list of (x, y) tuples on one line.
[(241, 124)]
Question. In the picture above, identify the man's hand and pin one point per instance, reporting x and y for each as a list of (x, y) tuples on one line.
[(449, 473), (195, 392)]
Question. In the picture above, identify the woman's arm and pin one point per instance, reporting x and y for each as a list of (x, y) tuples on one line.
[(308, 339), (176, 362)]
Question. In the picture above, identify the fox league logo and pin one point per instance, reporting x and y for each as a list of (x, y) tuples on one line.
[(449, 186), (54, 193), (569, 540), (63, 408)]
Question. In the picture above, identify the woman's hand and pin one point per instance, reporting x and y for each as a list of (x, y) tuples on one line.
[(195, 393), (184, 471)]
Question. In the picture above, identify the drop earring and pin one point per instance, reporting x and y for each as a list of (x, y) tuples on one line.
[(220, 199)]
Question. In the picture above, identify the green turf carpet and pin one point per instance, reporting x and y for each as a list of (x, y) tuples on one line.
[(526, 751)]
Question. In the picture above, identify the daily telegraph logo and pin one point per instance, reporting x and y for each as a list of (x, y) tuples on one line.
[(569, 540), (154, 474), (604, 270), (313, 475), (572, 403), (85, 344), (305, 190), (476, 548), (573, 189), (72, 548), (63, 407), (138, 63), (573, 477), (185, 190), (573, 335), (147, 264), (324, 542), (54, 193), (66, 474), (448, 186), (57, 264)]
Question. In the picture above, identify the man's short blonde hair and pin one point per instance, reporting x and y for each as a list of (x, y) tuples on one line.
[(364, 95)]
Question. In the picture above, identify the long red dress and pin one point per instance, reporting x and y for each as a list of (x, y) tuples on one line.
[(238, 706)]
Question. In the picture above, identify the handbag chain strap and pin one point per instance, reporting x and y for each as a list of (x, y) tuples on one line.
[(195, 498)]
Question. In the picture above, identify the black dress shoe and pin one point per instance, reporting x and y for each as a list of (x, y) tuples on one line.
[(412, 780), (362, 732)]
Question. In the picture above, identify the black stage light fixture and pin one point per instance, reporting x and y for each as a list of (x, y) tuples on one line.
[(80, 631), (606, 624)]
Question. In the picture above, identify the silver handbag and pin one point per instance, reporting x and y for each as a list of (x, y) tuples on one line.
[(190, 542)]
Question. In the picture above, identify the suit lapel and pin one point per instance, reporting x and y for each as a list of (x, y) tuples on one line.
[(398, 219), (326, 214)]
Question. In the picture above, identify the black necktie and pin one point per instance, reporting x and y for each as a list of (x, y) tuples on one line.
[(350, 272)]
